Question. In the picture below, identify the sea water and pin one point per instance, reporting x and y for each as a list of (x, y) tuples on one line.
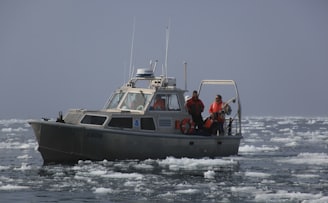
[(281, 159)]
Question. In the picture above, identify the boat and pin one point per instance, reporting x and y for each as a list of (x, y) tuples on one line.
[(129, 127)]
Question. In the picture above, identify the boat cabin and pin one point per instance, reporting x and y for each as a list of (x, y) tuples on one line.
[(145, 103)]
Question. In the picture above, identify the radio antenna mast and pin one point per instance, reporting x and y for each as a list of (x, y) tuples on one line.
[(132, 45), (167, 46)]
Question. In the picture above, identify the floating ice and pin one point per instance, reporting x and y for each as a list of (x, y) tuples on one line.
[(13, 187), (23, 167), (286, 195), (188, 191), (252, 148), (306, 176), (4, 167), (123, 175), (307, 158), (194, 164), (257, 174), (209, 174), (8, 130), (103, 190), (243, 189), (12, 121)]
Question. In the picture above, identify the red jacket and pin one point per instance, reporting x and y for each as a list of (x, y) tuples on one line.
[(159, 104), (195, 106)]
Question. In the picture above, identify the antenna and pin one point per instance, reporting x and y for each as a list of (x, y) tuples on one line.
[(132, 44), (124, 72), (167, 45), (163, 70), (155, 65), (185, 74)]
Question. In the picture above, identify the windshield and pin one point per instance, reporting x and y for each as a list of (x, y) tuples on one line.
[(135, 101), (115, 100)]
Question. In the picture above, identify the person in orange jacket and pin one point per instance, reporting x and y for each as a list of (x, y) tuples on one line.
[(195, 108), (217, 111), (159, 103)]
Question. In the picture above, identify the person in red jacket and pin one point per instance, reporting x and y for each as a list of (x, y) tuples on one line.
[(195, 108), (217, 111)]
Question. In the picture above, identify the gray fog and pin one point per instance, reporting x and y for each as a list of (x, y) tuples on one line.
[(57, 55)]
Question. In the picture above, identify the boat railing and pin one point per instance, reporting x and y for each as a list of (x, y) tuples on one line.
[(235, 123)]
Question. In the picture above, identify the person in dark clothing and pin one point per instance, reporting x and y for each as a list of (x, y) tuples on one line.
[(195, 108)]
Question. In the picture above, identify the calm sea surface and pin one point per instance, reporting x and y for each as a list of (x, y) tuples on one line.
[(281, 159)]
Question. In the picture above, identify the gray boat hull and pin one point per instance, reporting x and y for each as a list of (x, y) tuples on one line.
[(67, 143)]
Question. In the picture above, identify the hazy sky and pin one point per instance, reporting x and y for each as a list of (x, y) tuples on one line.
[(62, 54)]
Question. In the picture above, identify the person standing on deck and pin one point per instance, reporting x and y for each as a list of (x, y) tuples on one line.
[(217, 110), (195, 108)]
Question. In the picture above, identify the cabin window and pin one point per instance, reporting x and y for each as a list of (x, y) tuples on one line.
[(173, 102), (120, 122), (147, 124), (135, 101), (93, 120), (165, 102), (115, 100)]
